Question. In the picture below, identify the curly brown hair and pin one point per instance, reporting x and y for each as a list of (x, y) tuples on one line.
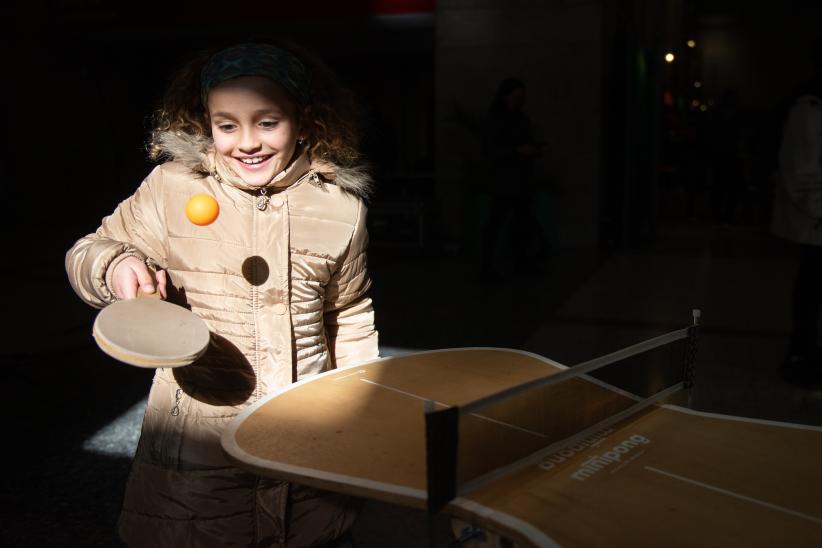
[(331, 119)]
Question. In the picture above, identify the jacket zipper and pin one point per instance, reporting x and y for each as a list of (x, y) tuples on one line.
[(261, 204), (178, 396), (263, 199)]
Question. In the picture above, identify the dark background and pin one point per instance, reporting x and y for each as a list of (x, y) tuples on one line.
[(627, 195)]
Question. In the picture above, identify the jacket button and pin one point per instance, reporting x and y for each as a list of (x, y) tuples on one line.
[(276, 201), (279, 309)]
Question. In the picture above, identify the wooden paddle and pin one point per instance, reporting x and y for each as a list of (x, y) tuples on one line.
[(150, 332)]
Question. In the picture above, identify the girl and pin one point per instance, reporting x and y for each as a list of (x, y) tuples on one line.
[(280, 278)]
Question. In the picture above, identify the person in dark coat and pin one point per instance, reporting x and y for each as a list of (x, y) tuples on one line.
[(511, 152)]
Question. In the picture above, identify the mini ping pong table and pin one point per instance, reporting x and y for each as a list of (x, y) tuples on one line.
[(540, 453)]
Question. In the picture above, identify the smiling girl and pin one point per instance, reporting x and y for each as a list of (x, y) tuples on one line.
[(280, 278)]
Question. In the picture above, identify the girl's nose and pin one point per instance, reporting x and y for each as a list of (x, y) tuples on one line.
[(249, 141)]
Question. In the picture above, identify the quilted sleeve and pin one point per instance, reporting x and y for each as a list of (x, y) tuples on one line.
[(348, 310), (136, 228)]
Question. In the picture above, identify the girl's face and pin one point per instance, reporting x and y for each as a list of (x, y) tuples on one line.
[(254, 126)]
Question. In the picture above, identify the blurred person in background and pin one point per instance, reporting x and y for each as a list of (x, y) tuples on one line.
[(797, 216)]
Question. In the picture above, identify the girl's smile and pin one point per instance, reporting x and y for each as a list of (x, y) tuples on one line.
[(254, 163)]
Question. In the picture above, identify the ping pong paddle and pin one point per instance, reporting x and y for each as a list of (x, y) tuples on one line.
[(150, 332)]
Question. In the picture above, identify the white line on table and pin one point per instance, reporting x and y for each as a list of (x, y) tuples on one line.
[(736, 495), (358, 372), (489, 419)]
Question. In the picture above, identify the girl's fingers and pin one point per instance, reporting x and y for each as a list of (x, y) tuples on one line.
[(161, 283), (144, 279), (127, 286)]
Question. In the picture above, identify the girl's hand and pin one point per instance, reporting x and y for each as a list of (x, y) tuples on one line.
[(132, 274)]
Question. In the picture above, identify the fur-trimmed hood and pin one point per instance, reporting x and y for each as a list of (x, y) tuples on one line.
[(197, 154)]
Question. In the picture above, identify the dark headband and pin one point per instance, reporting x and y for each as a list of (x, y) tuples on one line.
[(257, 60)]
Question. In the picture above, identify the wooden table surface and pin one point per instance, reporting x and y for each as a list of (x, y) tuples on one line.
[(667, 475)]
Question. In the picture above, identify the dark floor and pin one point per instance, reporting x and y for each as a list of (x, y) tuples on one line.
[(73, 414)]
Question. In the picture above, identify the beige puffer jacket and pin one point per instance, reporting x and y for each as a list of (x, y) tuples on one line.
[(284, 291)]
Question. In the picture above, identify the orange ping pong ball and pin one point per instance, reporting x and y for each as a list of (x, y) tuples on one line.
[(202, 209)]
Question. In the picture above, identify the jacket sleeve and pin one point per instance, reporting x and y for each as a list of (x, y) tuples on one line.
[(348, 311), (135, 229), (800, 159)]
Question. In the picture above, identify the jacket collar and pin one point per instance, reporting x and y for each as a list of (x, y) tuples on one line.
[(284, 179)]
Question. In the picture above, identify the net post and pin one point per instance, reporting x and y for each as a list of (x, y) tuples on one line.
[(441, 432), (689, 373)]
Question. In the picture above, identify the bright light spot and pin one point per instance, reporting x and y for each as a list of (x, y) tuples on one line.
[(669, 57), (691, 43), (697, 84), (703, 108), (695, 103), (119, 437)]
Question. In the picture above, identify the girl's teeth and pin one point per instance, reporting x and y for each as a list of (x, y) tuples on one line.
[(252, 160)]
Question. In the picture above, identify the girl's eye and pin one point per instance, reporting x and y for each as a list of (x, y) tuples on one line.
[(225, 128), (268, 124)]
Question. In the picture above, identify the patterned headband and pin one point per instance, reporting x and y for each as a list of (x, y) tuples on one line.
[(257, 60)]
